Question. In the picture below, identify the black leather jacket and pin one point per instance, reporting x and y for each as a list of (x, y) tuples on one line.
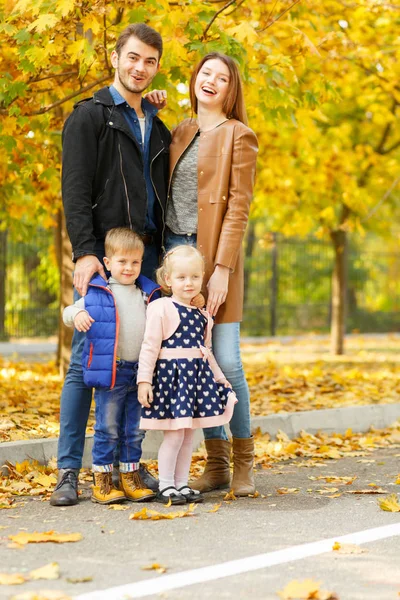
[(103, 184)]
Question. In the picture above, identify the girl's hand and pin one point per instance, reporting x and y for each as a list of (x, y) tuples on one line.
[(157, 98), (198, 301), (145, 394), (83, 321), (217, 289)]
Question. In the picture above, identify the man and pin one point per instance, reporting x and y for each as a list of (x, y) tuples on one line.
[(114, 174)]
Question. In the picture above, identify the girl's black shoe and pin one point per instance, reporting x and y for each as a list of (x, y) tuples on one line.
[(175, 497), (191, 495)]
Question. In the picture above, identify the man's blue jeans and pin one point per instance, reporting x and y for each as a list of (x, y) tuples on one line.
[(117, 422), (76, 397), (226, 348)]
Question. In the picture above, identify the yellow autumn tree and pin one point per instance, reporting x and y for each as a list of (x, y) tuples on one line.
[(321, 84)]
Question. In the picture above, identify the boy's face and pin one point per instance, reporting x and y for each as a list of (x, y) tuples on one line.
[(125, 266)]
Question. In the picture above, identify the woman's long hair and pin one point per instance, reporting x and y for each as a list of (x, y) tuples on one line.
[(233, 106)]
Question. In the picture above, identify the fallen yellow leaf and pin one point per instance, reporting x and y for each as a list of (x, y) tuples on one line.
[(46, 536), (11, 579), (50, 571), (230, 496), (155, 567), (390, 503), (285, 490), (118, 507), (348, 548), (215, 508), (152, 515), (42, 595), (305, 590), (79, 579)]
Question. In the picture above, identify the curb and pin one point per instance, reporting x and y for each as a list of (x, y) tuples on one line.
[(338, 420)]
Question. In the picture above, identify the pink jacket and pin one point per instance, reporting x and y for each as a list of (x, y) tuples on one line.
[(162, 321)]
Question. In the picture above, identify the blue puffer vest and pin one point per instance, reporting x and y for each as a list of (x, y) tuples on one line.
[(100, 348)]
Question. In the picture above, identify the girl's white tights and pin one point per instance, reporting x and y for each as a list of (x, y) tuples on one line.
[(174, 457)]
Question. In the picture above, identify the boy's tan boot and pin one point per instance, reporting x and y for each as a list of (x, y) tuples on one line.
[(103, 490), (243, 465), (133, 487), (216, 474)]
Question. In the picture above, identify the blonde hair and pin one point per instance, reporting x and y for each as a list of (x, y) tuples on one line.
[(183, 251), (234, 106), (122, 239)]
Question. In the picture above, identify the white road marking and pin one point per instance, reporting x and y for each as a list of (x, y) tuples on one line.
[(157, 585)]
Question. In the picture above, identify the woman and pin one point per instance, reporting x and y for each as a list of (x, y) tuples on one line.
[(212, 169)]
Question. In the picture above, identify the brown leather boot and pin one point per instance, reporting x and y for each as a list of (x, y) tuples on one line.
[(216, 474), (103, 491), (243, 463)]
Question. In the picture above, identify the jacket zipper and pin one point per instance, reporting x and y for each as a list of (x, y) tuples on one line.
[(157, 196), (169, 188), (125, 186)]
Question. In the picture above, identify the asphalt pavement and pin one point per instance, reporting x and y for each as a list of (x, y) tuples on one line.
[(268, 537)]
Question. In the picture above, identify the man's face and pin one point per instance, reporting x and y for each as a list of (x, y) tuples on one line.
[(136, 66)]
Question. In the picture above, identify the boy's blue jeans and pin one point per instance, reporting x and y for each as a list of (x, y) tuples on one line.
[(76, 398), (117, 421)]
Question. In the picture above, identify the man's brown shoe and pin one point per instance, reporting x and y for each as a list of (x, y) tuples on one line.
[(103, 491), (133, 487)]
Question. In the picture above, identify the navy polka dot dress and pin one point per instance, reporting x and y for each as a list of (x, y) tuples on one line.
[(185, 393)]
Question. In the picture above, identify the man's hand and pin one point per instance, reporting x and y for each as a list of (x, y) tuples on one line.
[(83, 321), (85, 268), (217, 289), (157, 98), (145, 394)]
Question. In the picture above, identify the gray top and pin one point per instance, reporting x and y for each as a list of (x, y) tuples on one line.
[(182, 205), (132, 318)]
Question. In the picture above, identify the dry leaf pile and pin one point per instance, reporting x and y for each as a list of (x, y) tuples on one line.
[(284, 387), (300, 377), (29, 400)]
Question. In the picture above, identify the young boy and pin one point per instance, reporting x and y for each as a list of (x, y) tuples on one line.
[(113, 316)]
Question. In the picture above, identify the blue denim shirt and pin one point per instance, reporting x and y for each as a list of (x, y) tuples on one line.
[(131, 118)]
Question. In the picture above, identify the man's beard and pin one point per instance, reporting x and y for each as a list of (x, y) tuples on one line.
[(134, 88)]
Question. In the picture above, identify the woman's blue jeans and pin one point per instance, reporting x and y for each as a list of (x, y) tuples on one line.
[(226, 348), (76, 397)]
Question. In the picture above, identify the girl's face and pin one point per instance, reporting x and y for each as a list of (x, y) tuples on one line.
[(212, 84), (185, 278)]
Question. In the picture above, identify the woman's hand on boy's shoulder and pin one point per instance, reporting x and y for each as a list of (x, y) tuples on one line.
[(83, 321), (157, 98), (145, 394)]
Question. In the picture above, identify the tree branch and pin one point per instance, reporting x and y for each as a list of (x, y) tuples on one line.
[(227, 5), (384, 197), (66, 73), (88, 87), (279, 16)]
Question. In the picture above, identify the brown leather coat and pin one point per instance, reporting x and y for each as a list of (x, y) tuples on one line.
[(226, 170)]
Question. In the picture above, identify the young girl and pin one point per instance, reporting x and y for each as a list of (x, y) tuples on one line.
[(181, 387)]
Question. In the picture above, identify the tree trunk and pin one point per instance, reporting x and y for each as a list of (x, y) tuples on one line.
[(64, 251), (339, 291), (3, 274)]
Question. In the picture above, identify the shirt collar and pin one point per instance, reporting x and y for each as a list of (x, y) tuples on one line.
[(146, 105)]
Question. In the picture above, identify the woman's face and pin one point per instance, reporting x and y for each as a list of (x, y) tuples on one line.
[(212, 84)]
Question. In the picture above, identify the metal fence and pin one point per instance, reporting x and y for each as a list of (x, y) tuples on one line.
[(288, 288), (29, 295)]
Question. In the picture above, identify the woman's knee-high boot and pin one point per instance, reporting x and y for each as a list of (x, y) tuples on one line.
[(216, 473), (243, 464)]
